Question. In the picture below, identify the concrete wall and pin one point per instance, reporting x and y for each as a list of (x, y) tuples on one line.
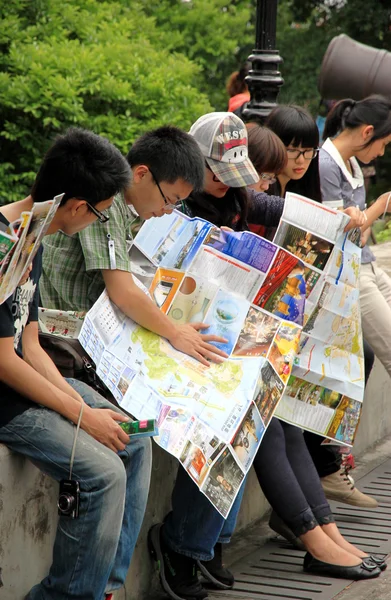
[(28, 506)]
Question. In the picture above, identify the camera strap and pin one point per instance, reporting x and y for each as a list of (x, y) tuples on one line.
[(75, 439)]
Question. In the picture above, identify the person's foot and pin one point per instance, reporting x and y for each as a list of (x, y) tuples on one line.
[(215, 572), (178, 573), (364, 570), (280, 527), (339, 486)]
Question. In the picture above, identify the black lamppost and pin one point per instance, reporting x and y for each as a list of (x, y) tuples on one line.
[(264, 79)]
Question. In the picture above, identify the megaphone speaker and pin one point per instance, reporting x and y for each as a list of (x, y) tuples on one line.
[(353, 70)]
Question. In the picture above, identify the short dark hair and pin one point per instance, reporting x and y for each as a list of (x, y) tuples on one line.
[(348, 114), (295, 126), (171, 154), (265, 149), (81, 164)]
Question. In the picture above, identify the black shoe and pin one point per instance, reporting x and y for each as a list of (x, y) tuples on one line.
[(378, 559), (178, 573), (215, 572), (280, 527), (365, 570)]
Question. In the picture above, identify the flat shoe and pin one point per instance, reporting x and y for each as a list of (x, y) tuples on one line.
[(378, 559), (365, 570)]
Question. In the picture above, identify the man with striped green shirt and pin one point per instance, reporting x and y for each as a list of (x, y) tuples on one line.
[(166, 166)]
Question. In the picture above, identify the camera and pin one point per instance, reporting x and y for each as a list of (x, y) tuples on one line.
[(68, 499)]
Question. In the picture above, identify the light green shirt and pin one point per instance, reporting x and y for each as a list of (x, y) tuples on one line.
[(71, 275)]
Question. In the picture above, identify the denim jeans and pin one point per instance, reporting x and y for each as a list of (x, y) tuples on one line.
[(194, 526), (91, 553)]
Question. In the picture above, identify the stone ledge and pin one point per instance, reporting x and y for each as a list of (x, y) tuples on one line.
[(28, 514)]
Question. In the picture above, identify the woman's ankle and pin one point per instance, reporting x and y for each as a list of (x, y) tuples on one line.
[(323, 548)]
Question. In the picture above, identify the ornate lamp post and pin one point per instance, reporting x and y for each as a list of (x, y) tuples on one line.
[(264, 79)]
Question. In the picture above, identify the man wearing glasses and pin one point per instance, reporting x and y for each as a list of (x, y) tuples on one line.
[(40, 409), (166, 165)]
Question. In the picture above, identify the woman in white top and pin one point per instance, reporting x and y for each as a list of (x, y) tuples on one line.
[(361, 130)]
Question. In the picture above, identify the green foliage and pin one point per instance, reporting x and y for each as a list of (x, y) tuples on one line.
[(100, 65), (301, 66), (216, 34), (120, 67), (382, 232), (305, 28)]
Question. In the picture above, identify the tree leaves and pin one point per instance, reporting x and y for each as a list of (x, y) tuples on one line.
[(100, 65)]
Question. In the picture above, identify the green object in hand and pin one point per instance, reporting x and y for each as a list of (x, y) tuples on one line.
[(146, 427)]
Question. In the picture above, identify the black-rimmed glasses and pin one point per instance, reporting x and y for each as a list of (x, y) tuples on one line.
[(168, 206), (102, 218), (308, 154), (268, 178)]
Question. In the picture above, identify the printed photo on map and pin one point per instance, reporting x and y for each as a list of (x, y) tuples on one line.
[(183, 251), (164, 286), (310, 393), (256, 334), (268, 392), (194, 461), (193, 299), (344, 425), (248, 438), (309, 248), (174, 429), (244, 246), (172, 240), (141, 267), (284, 349), (207, 440), (223, 482), (125, 380), (311, 279), (225, 318), (283, 292), (201, 450)]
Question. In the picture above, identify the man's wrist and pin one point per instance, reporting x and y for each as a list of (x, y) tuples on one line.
[(173, 334)]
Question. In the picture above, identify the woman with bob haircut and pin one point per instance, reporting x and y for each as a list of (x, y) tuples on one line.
[(298, 130)]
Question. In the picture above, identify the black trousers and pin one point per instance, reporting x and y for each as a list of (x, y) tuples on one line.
[(327, 459), (289, 480)]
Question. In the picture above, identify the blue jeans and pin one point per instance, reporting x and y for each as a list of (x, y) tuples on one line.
[(91, 553), (194, 526)]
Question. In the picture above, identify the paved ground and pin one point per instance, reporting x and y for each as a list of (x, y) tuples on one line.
[(378, 589)]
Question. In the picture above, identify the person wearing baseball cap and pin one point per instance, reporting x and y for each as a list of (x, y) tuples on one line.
[(222, 139)]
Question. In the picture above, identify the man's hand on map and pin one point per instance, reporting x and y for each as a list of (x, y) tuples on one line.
[(188, 339), (357, 217), (101, 424)]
